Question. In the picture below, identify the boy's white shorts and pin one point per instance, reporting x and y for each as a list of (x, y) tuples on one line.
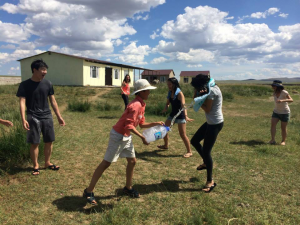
[(119, 146)]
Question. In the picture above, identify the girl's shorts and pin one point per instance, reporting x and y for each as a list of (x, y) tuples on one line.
[(282, 117), (178, 121)]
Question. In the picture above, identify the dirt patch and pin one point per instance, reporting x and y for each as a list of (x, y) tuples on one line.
[(9, 80)]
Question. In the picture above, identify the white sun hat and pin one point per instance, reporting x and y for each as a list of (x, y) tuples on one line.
[(142, 85)]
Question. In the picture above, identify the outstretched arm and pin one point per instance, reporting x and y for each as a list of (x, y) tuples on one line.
[(6, 123), (148, 125), (135, 131), (56, 110)]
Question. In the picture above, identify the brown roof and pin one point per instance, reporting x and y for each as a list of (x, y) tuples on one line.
[(193, 73), (91, 60), (158, 72)]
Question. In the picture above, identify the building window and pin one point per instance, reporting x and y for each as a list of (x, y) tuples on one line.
[(117, 74), (94, 71), (147, 78), (186, 80), (125, 72), (162, 79)]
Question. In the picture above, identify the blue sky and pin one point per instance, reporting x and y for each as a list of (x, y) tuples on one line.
[(232, 39)]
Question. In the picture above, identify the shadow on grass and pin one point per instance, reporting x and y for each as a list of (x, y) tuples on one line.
[(15, 170), (147, 155), (251, 143), (79, 204)]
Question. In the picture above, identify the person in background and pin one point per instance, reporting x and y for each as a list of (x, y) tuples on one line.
[(209, 131), (33, 94), (125, 88), (281, 111), (120, 140), (177, 100), (6, 123)]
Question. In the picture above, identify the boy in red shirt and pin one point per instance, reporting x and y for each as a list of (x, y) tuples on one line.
[(120, 140)]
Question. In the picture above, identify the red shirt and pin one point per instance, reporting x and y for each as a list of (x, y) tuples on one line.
[(132, 117), (126, 89)]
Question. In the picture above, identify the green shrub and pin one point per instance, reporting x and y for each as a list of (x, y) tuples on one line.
[(247, 90), (100, 106), (14, 148), (155, 108), (79, 106), (227, 96), (9, 89)]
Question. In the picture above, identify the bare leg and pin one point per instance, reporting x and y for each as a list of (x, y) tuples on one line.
[(47, 151), (182, 132), (283, 132), (166, 138), (97, 174), (129, 172), (274, 122), (34, 154)]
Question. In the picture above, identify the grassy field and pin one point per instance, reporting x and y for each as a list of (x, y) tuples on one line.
[(257, 183)]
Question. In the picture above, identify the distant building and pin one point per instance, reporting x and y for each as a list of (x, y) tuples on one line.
[(186, 76), (74, 70), (161, 75)]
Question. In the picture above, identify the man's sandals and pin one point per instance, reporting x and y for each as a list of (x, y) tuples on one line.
[(90, 197), (53, 167), (35, 172)]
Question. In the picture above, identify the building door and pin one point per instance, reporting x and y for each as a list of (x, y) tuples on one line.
[(108, 76)]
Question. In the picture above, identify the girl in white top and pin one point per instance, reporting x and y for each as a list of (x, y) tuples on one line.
[(281, 111)]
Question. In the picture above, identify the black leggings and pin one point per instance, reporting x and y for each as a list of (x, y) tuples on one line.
[(209, 133), (125, 98)]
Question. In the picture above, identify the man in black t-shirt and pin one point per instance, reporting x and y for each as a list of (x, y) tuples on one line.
[(34, 93)]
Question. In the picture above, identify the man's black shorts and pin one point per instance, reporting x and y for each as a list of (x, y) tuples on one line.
[(38, 126)]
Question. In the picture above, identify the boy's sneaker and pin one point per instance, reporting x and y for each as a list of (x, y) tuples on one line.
[(132, 193)]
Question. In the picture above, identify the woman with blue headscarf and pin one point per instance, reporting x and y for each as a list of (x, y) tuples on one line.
[(210, 98)]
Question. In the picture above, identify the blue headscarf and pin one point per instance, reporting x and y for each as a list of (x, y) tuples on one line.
[(201, 99)]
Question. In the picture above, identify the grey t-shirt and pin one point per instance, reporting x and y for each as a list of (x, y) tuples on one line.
[(215, 116)]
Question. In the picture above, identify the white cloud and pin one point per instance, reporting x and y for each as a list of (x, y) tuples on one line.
[(283, 15), (194, 66), (258, 15), (13, 33), (203, 34), (133, 54), (116, 10), (154, 35), (83, 26), (270, 11), (118, 42), (9, 46), (158, 60), (139, 17)]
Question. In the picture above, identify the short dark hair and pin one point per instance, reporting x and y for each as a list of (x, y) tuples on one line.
[(200, 81), (175, 83), (38, 63)]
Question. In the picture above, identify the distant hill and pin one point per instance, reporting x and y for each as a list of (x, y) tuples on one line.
[(285, 80)]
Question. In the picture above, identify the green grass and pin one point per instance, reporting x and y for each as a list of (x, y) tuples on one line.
[(257, 182), (79, 106)]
